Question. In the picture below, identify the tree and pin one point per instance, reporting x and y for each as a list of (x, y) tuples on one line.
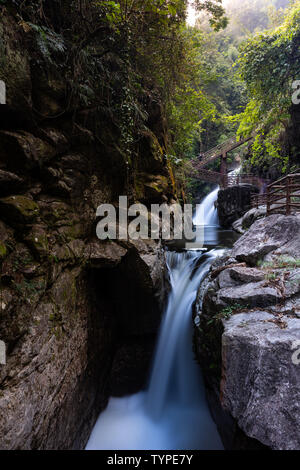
[(268, 64)]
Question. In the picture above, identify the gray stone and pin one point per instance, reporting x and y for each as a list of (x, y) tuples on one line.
[(248, 295), (267, 235), (246, 275), (260, 384), (244, 223), (104, 254), (247, 360)]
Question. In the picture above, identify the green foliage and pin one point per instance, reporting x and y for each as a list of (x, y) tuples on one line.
[(280, 262), (49, 42), (268, 65), (226, 313)]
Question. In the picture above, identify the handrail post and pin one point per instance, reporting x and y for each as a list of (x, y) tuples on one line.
[(288, 196), (268, 201)]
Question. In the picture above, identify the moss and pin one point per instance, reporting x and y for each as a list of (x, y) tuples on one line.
[(139, 189), (38, 241), (18, 210), (3, 251), (71, 232)]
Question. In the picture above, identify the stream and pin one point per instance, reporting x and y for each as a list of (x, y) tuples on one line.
[(172, 413)]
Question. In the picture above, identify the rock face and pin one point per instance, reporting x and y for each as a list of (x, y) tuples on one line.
[(78, 316), (260, 384), (244, 223), (249, 335), (234, 202)]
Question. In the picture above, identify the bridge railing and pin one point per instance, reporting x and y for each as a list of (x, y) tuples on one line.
[(244, 178), (282, 196), (218, 148)]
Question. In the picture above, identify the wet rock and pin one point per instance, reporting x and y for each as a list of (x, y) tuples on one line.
[(152, 254), (15, 64), (18, 210), (59, 140), (74, 324), (129, 365)]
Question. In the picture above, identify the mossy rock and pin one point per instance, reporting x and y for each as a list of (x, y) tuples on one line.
[(3, 251), (72, 232), (14, 62), (24, 150), (151, 187), (38, 241), (18, 210), (57, 214)]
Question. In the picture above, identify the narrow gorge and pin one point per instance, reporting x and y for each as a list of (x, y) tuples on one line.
[(140, 342)]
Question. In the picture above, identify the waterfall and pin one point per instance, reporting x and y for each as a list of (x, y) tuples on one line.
[(172, 413), (207, 213)]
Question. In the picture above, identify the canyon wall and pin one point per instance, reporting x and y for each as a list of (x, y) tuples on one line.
[(78, 316)]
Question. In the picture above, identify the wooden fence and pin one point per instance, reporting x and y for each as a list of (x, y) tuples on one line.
[(282, 196), (243, 178)]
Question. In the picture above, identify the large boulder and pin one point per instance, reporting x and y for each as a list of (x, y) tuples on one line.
[(267, 235), (247, 337), (260, 379)]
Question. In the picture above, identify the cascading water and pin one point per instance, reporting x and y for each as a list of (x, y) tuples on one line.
[(207, 213), (172, 414)]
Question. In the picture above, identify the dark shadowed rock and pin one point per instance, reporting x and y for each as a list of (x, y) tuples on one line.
[(22, 150), (233, 202), (9, 183), (18, 210)]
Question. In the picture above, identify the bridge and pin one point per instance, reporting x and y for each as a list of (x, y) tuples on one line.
[(221, 178)]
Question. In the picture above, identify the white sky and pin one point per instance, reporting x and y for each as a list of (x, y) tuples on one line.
[(191, 19)]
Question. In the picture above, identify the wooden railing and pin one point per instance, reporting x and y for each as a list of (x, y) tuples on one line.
[(244, 178), (229, 179), (282, 196), (219, 150)]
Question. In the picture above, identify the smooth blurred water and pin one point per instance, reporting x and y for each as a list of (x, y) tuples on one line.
[(207, 214), (172, 413)]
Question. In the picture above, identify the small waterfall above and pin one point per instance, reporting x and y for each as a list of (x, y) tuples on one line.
[(207, 213), (172, 413)]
